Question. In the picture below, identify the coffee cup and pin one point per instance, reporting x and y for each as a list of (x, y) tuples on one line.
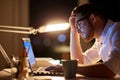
[(70, 68)]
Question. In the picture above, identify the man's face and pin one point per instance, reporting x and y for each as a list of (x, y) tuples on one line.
[(85, 28)]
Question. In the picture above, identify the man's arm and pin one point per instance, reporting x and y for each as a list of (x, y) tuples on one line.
[(75, 47), (95, 70)]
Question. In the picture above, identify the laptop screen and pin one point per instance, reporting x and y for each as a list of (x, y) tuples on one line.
[(29, 50)]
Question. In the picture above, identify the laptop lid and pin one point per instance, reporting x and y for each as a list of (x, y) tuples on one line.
[(27, 44)]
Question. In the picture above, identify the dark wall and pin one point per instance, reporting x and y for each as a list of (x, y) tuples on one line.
[(111, 7), (42, 11)]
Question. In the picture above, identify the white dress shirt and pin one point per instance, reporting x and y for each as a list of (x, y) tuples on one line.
[(106, 48)]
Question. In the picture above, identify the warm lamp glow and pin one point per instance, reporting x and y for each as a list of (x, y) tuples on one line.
[(54, 27), (57, 27)]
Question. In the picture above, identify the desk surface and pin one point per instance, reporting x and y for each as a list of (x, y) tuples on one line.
[(6, 76), (80, 77)]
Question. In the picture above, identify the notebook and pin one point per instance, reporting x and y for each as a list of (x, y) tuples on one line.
[(36, 69)]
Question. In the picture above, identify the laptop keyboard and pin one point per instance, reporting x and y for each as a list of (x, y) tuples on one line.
[(41, 71)]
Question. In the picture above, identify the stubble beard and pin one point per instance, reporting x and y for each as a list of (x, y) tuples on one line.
[(88, 37)]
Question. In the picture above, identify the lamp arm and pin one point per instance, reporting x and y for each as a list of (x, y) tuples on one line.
[(5, 55), (17, 29)]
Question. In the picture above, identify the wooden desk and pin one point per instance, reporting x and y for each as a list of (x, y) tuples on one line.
[(80, 77), (4, 75)]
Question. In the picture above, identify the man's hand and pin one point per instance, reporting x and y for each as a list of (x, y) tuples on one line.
[(57, 68), (72, 22)]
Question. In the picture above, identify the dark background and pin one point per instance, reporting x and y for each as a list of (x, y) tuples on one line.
[(110, 7), (43, 11)]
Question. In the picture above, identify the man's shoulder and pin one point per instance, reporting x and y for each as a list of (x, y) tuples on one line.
[(115, 31)]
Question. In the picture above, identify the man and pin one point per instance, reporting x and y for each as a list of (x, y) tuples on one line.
[(89, 22)]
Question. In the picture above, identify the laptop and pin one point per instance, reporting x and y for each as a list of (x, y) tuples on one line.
[(37, 67)]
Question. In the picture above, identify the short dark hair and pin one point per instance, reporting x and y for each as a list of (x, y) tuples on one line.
[(89, 8)]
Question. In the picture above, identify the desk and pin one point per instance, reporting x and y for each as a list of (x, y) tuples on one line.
[(4, 75), (79, 77)]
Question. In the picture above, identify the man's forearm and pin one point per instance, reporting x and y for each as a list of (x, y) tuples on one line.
[(95, 70), (75, 48)]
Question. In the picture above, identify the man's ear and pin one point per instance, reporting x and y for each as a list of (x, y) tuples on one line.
[(92, 18)]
